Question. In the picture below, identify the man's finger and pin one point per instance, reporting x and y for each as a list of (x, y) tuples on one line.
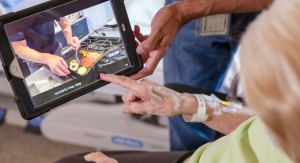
[(146, 37), (141, 74), (58, 72), (139, 36), (122, 81), (64, 63), (145, 57), (77, 42), (150, 43), (72, 43), (63, 68), (151, 64), (137, 33), (136, 29)]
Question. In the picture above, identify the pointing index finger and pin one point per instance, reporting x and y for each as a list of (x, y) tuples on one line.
[(122, 81)]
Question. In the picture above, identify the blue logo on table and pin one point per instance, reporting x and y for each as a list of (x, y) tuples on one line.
[(127, 142)]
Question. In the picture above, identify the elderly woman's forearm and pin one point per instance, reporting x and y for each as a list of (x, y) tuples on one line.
[(224, 123), (228, 122)]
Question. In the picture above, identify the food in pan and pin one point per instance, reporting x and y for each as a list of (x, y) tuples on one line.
[(84, 53), (82, 71), (74, 67), (90, 54), (73, 62), (88, 62), (94, 55)]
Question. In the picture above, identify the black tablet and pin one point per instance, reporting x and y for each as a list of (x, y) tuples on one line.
[(54, 52)]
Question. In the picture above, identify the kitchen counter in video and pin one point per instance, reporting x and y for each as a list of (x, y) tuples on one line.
[(43, 80)]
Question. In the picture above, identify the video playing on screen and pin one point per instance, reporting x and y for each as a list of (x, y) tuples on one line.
[(68, 52)]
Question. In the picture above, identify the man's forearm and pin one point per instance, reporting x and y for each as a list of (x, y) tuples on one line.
[(66, 28), (193, 9), (28, 54)]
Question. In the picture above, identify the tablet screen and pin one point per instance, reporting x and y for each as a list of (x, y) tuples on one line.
[(64, 49)]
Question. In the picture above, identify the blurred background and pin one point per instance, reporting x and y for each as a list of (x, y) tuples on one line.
[(92, 122)]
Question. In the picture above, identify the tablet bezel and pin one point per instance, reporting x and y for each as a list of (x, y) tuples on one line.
[(22, 96)]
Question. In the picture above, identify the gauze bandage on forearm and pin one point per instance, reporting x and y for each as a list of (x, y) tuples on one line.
[(215, 103)]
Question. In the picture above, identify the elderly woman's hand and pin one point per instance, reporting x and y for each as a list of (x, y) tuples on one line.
[(147, 97), (99, 157)]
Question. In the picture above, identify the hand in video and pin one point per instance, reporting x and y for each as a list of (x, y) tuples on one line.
[(164, 28), (74, 42), (147, 97), (99, 157), (57, 65)]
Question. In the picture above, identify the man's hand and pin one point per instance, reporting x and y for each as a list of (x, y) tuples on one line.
[(147, 97), (74, 42), (169, 20), (56, 64), (67, 30), (99, 157), (164, 28)]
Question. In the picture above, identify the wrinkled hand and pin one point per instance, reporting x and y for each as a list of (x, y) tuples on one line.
[(74, 42), (164, 28), (57, 64), (99, 157), (147, 97)]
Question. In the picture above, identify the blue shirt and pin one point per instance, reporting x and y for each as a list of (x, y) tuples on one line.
[(40, 38)]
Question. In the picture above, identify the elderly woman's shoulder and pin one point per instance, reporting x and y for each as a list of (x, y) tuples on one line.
[(250, 142), (263, 144)]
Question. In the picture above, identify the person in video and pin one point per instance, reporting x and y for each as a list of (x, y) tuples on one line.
[(39, 47)]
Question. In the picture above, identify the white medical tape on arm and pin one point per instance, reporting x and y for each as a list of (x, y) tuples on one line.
[(215, 103), (238, 106)]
